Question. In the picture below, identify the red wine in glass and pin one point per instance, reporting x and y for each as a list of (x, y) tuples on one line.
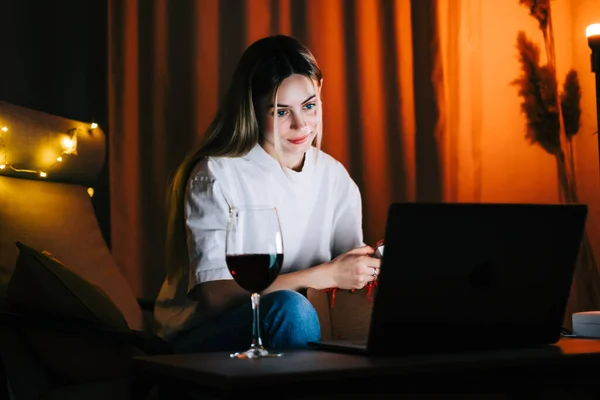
[(254, 272), (254, 256)]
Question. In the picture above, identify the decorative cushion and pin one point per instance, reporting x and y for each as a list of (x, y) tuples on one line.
[(346, 314), (343, 314), (41, 283)]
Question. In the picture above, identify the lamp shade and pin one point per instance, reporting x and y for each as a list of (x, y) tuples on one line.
[(592, 30)]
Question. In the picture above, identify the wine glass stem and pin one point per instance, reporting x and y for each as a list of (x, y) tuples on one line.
[(256, 340)]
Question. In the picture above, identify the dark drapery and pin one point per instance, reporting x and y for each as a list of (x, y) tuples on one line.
[(170, 62)]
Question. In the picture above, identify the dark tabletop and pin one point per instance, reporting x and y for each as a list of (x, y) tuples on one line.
[(218, 370)]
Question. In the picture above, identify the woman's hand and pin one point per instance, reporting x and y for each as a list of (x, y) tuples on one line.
[(354, 269), (351, 270)]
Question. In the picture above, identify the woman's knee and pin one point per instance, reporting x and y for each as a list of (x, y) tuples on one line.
[(290, 320), (291, 302)]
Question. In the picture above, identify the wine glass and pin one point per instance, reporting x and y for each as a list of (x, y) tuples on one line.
[(254, 255)]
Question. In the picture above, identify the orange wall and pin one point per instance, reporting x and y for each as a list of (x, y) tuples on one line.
[(486, 155), (512, 169), (490, 127)]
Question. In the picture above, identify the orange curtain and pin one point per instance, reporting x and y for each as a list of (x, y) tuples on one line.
[(170, 62)]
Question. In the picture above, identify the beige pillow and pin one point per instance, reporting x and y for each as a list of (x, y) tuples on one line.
[(343, 314), (41, 283)]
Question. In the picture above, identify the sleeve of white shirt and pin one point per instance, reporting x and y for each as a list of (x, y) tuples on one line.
[(206, 213), (347, 230)]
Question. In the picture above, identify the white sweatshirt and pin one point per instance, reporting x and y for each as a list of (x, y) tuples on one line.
[(319, 210)]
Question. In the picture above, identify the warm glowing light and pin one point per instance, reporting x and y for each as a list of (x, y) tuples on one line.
[(68, 143), (592, 30), (90, 191), (94, 125)]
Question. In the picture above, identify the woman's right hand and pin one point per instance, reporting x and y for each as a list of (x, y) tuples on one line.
[(355, 268)]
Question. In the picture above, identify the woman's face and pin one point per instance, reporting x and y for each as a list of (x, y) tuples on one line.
[(296, 118)]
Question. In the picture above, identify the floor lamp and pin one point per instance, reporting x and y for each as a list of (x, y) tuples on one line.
[(593, 36), (588, 323)]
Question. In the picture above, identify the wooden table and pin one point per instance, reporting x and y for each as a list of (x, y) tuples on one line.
[(570, 365)]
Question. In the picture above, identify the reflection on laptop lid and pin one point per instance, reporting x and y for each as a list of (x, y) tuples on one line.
[(468, 276)]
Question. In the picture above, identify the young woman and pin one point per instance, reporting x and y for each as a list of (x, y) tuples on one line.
[(262, 148)]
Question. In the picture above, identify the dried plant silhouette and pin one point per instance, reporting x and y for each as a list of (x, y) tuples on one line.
[(537, 87), (553, 119)]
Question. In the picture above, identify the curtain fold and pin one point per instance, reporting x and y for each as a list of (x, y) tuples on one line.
[(459, 94), (170, 63)]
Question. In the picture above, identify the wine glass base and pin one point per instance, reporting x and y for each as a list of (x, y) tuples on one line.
[(256, 352)]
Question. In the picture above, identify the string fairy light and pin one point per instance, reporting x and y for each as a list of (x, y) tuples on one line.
[(69, 147), (4, 129)]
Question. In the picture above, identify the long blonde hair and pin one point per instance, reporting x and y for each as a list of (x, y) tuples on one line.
[(235, 129)]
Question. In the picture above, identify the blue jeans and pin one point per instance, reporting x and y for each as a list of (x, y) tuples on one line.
[(288, 319)]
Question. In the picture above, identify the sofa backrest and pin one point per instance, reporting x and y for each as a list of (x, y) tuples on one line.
[(54, 212)]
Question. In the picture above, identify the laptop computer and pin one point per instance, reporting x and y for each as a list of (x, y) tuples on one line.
[(476, 276)]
